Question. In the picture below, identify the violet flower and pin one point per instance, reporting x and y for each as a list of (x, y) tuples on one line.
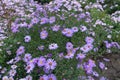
[(50, 64), (53, 46), (83, 28), (30, 67), (75, 29), (41, 61), (52, 20), (52, 77), (27, 38), (27, 57), (44, 77), (20, 50), (69, 45), (44, 20), (89, 40), (55, 28), (35, 20), (86, 48), (67, 32), (101, 65), (81, 56), (43, 34)]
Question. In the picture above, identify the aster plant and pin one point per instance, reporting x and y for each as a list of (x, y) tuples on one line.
[(59, 41)]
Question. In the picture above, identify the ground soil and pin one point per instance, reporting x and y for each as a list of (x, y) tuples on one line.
[(112, 71)]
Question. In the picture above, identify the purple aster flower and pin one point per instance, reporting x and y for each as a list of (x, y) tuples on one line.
[(28, 77), (95, 74), (53, 46), (5, 78), (12, 72), (86, 48), (69, 45), (14, 66), (35, 60), (43, 34), (101, 65), (44, 77), (64, 31), (82, 15), (20, 50), (41, 61), (27, 57), (81, 56), (69, 33), (108, 45), (70, 53), (30, 67), (55, 28), (91, 63), (15, 29), (89, 40), (27, 38), (44, 20), (75, 29), (52, 19), (52, 77), (50, 64), (10, 78), (35, 20), (83, 28), (103, 78)]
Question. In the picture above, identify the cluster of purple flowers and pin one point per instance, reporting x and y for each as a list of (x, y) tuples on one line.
[(89, 46), (70, 50), (45, 20), (89, 67), (47, 65), (67, 32)]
